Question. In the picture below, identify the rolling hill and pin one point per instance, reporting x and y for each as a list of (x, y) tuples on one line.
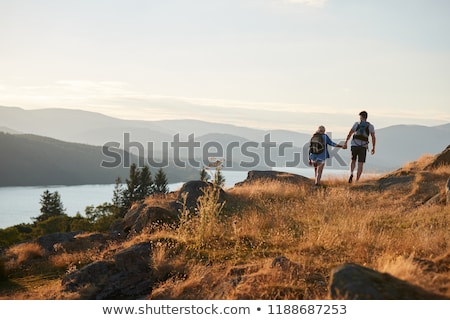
[(396, 145), (28, 160)]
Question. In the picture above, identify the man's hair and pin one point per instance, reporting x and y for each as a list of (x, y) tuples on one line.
[(363, 114)]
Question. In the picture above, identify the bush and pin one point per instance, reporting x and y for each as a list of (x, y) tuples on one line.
[(53, 224), (9, 236)]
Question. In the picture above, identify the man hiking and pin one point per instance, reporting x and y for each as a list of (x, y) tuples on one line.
[(318, 152), (360, 143)]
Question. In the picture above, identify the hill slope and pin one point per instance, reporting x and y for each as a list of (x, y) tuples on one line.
[(272, 239), (29, 160), (396, 145)]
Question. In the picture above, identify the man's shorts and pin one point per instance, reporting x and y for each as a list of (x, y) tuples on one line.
[(359, 153)]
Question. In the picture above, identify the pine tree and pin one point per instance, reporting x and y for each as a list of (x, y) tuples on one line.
[(51, 206), (161, 184), (117, 199), (132, 183), (145, 184)]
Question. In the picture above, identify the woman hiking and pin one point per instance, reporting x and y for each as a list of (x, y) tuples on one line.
[(318, 152)]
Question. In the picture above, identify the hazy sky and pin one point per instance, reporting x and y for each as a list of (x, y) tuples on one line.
[(291, 64)]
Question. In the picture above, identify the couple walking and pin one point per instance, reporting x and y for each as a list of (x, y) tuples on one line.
[(361, 131)]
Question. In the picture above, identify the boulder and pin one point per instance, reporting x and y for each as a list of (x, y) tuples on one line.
[(355, 282), (264, 175), (51, 242), (128, 275), (82, 242), (138, 218), (141, 216), (442, 159), (193, 190)]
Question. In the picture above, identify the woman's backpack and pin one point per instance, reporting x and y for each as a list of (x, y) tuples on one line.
[(316, 144)]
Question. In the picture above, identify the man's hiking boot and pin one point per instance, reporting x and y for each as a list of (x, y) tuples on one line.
[(350, 179)]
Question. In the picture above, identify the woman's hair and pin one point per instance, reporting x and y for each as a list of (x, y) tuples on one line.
[(321, 129)]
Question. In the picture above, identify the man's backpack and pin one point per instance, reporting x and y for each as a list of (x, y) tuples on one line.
[(362, 131), (316, 144)]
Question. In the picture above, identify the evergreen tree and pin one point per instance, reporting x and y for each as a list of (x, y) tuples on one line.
[(161, 184), (145, 184), (132, 183), (117, 207), (51, 206), (117, 199)]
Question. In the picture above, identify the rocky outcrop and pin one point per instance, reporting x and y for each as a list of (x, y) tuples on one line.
[(442, 197), (127, 275), (142, 216), (193, 190), (51, 242), (255, 175), (442, 159), (355, 282)]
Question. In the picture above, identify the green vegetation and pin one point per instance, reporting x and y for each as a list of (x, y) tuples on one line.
[(161, 183), (53, 218), (51, 206)]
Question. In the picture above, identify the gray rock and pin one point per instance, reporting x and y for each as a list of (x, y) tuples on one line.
[(136, 219), (134, 259), (257, 175), (51, 241), (194, 190), (442, 159), (127, 276), (355, 282)]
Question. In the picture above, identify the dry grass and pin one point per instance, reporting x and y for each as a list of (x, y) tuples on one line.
[(23, 254), (420, 163), (227, 252)]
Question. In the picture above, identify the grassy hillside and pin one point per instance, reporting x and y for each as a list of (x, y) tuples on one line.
[(29, 160), (388, 224)]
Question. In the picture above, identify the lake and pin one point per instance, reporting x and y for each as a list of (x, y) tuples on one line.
[(21, 204)]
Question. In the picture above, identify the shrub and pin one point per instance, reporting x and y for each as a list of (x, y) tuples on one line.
[(53, 224)]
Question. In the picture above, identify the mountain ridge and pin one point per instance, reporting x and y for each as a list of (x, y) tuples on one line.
[(396, 144), (31, 160)]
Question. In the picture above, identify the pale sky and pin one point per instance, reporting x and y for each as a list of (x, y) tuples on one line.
[(273, 64)]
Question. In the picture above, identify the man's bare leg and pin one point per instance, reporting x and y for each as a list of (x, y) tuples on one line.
[(352, 168), (359, 170)]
